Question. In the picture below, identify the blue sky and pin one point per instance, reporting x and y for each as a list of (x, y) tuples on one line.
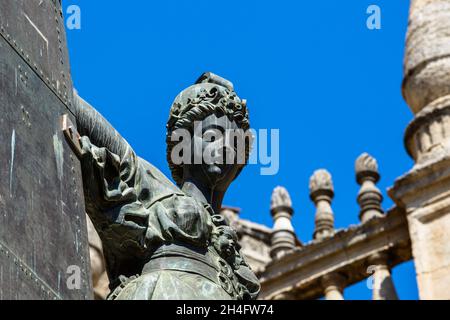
[(311, 69)]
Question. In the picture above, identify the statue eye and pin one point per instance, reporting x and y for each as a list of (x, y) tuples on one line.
[(211, 135)]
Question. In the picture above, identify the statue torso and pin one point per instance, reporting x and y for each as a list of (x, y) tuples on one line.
[(159, 234)]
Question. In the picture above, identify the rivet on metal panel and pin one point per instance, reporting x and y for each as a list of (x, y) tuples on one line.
[(25, 116), (13, 42)]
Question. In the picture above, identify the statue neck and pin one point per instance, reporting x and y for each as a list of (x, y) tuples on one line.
[(204, 194)]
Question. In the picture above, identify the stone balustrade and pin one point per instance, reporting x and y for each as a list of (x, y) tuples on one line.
[(336, 259), (417, 227)]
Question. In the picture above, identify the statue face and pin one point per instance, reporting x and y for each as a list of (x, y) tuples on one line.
[(214, 144), (225, 241)]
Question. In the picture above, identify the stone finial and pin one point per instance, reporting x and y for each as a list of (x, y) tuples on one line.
[(369, 196), (366, 167), (280, 198), (283, 236), (321, 182), (322, 192)]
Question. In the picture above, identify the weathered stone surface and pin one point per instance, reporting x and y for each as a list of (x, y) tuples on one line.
[(427, 55), (424, 191), (369, 196), (382, 283), (283, 235), (321, 191), (425, 194), (254, 239), (427, 137), (333, 285), (280, 198), (255, 243), (347, 253)]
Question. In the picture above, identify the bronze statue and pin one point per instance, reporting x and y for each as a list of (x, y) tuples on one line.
[(161, 240)]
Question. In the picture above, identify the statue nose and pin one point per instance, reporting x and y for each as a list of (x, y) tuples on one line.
[(224, 151)]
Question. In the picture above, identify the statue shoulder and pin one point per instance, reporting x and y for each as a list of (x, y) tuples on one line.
[(154, 183)]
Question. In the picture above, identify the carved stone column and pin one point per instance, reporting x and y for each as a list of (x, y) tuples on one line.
[(369, 196), (322, 192), (333, 286), (383, 286), (369, 200), (424, 192), (283, 235)]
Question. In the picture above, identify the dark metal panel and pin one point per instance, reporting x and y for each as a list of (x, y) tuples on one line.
[(35, 29), (42, 215)]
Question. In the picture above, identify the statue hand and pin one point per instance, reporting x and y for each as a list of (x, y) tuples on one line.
[(86, 145)]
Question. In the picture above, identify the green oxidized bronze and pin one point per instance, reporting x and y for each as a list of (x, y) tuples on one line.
[(161, 240)]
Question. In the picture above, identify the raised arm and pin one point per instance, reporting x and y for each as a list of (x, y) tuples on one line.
[(101, 133), (113, 180)]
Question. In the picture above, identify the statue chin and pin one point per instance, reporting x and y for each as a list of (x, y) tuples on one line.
[(214, 171), (208, 174), (218, 176)]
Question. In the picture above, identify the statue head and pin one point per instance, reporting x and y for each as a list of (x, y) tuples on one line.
[(217, 122)]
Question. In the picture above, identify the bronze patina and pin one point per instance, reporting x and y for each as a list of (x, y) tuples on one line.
[(161, 240)]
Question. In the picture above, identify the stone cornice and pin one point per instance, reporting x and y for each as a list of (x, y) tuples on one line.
[(254, 230), (347, 253), (421, 177)]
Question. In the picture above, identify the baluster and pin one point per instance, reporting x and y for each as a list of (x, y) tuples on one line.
[(283, 235)]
